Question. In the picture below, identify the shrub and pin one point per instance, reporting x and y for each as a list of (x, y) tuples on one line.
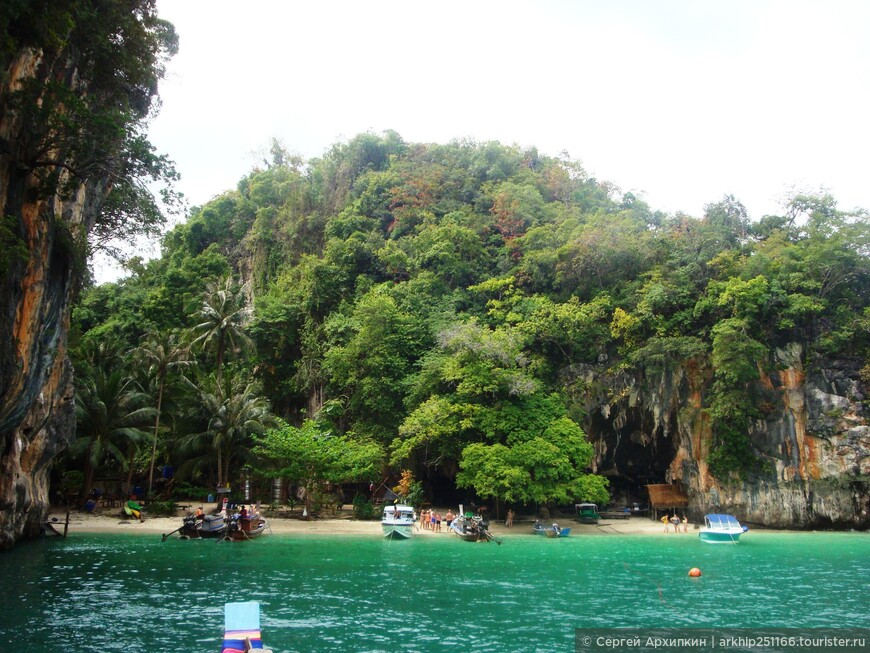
[(161, 508), (363, 508)]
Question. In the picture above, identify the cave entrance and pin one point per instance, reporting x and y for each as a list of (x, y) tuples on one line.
[(634, 450)]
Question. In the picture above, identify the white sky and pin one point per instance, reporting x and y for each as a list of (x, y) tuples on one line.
[(682, 101)]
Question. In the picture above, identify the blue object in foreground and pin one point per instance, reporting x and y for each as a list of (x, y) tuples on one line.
[(242, 627), (721, 529)]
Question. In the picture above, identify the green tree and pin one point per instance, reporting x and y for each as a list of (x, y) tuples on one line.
[(370, 366), (236, 412), (91, 132), (534, 467), (314, 454), (110, 415), (162, 354), (223, 317)]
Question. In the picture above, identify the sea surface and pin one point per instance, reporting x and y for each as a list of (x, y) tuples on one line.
[(136, 593)]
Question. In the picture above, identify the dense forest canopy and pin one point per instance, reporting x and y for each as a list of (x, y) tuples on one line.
[(436, 307)]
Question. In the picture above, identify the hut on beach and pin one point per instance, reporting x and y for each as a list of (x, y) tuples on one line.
[(667, 498)]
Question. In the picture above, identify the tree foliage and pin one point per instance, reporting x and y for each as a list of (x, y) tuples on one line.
[(438, 308), (84, 122)]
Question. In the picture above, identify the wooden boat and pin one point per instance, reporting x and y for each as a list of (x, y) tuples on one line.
[(245, 527), (242, 628), (194, 528), (471, 529), (587, 513), (398, 521), (721, 529), (212, 526)]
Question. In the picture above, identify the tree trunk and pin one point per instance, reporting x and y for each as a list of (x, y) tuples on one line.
[(220, 360), (88, 481), (130, 470), (156, 430)]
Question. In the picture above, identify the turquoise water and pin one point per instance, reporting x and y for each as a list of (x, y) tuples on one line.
[(136, 593)]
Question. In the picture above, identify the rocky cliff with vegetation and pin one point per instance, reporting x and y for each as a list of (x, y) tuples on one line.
[(811, 441), (76, 82), (481, 320), (509, 329)]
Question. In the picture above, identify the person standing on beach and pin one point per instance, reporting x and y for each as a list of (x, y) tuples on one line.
[(449, 517), (665, 520), (509, 522), (685, 524)]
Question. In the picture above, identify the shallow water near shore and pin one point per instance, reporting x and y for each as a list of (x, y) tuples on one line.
[(97, 592)]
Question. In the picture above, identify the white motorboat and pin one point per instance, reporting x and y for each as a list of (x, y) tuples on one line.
[(398, 521), (722, 529)]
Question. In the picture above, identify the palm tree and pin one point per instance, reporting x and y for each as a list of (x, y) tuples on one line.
[(163, 354), (236, 410), (222, 315), (109, 413)]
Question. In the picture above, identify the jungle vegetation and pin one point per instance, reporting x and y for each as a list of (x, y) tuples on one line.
[(396, 306)]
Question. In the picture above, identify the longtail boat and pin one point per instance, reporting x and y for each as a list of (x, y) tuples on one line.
[(242, 628)]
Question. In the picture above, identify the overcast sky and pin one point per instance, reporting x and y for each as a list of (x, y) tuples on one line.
[(682, 101)]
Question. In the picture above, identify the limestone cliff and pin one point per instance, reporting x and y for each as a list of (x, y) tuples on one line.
[(36, 395), (814, 439), (77, 80)]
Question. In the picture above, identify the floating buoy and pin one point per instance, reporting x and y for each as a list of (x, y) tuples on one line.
[(694, 572)]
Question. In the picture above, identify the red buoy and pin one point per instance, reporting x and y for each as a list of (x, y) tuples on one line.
[(694, 572)]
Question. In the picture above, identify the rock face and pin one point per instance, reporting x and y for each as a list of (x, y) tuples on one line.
[(36, 394), (814, 439)]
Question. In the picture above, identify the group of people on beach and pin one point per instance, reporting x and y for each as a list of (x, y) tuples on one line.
[(676, 522), (431, 520)]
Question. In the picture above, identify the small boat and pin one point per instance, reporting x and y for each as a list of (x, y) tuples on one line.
[(538, 528), (194, 528), (587, 513), (471, 529), (398, 521), (210, 526), (721, 529), (556, 531), (241, 528), (242, 628)]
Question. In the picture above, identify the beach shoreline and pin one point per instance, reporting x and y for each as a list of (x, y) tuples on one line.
[(111, 521)]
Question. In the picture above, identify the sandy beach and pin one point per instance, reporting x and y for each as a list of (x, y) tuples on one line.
[(343, 524)]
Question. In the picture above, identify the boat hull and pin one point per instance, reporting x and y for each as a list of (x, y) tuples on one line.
[(210, 532), (398, 521), (247, 531), (721, 529), (212, 526), (471, 532), (398, 531), (720, 537)]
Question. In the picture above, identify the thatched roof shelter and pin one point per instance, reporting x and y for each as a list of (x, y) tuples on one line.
[(666, 497)]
